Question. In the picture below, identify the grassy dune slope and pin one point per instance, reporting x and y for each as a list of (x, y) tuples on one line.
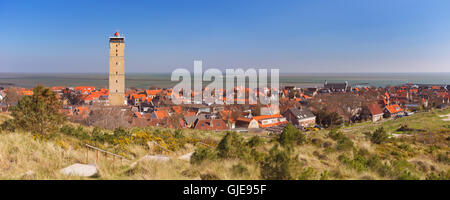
[(420, 152)]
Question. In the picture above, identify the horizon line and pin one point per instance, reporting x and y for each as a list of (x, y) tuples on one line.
[(281, 73)]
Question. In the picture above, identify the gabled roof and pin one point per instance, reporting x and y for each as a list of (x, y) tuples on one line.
[(394, 108), (160, 114), (211, 124), (301, 114), (375, 109), (190, 119)]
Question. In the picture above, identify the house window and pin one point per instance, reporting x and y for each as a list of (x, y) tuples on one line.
[(117, 63), (116, 72), (117, 50), (117, 81), (117, 54), (116, 91)]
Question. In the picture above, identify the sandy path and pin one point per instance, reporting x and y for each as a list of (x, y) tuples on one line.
[(447, 117)]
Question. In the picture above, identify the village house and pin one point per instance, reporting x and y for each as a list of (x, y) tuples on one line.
[(210, 124), (376, 113), (153, 93), (392, 111), (160, 114), (261, 121), (300, 117), (84, 89)]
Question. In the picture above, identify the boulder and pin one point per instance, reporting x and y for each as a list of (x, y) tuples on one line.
[(80, 170)]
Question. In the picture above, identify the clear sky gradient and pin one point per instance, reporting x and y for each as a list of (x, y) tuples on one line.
[(294, 36)]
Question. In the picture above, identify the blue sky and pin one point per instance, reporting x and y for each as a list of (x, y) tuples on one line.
[(294, 36)]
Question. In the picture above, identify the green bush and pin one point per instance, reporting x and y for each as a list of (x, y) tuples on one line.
[(257, 156), (403, 170), (335, 134), (201, 154), (255, 141), (406, 147), (279, 165), (120, 132), (344, 144), (67, 129), (291, 135), (358, 162), (232, 145), (379, 136)]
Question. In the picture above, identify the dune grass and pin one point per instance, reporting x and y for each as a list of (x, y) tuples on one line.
[(421, 154)]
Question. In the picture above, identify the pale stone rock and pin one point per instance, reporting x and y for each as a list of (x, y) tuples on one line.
[(80, 170)]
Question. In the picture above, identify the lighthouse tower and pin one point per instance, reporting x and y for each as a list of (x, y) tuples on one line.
[(116, 70)]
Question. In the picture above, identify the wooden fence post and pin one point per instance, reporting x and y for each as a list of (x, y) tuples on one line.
[(87, 155)]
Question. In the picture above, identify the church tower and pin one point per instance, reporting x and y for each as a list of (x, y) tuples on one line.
[(116, 70)]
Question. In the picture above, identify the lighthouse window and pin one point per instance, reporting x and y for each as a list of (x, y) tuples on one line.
[(117, 54), (117, 81), (116, 72), (116, 91), (116, 50), (117, 63)]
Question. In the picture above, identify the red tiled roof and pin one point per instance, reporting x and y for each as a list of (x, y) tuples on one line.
[(56, 88), (394, 108), (152, 92), (160, 114), (375, 109)]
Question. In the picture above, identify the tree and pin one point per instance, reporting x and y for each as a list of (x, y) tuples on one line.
[(72, 98), (291, 135), (364, 113), (38, 113), (327, 119), (106, 117), (12, 97), (279, 165), (379, 136)]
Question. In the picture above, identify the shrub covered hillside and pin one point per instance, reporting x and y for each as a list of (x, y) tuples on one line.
[(414, 147)]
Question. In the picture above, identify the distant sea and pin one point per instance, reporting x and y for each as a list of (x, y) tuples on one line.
[(146, 80)]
